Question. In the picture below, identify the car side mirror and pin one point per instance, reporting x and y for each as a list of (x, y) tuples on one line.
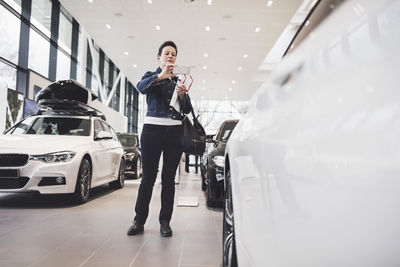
[(103, 135)]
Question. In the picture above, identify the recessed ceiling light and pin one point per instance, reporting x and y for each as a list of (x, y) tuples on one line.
[(230, 89), (205, 55), (207, 28), (108, 26), (245, 55), (158, 27), (226, 97), (209, 2), (269, 3), (203, 81), (239, 68), (204, 67), (126, 53), (90, 1), (257, 29), (233, 82), (149, 2), (134, 65)]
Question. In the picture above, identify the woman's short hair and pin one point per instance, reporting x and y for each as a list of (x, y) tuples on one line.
[(167, 43)]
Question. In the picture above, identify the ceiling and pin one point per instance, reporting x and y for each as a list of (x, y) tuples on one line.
[(232, 35)]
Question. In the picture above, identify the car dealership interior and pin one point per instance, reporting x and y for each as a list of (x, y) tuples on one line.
[(287, 152)]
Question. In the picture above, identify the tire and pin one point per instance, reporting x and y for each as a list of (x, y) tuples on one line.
[(212, 203), (138, 168), (120, 182), (228, 236), (83, 181)]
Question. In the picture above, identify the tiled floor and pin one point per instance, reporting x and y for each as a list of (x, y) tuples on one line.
[(48, 231)]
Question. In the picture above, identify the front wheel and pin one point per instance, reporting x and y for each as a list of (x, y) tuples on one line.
[(228, 238), (120, 182), (82, 188)]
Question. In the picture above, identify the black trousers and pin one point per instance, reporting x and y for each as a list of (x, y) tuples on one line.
[(154, 140)]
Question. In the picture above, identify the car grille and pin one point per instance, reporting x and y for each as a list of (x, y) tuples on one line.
[(13, 160), (13, 183)]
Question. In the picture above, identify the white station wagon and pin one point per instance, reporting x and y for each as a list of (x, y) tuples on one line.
[(61, 152)]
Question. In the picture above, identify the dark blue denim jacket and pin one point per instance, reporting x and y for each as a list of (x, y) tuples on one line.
[(159, 94)]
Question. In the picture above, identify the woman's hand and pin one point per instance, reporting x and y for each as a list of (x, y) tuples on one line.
[(166, 72), (181, 88)]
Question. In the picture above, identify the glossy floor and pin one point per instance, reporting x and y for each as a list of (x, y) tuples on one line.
[(48, 231)]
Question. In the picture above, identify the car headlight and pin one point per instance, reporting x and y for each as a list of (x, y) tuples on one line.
[(63, 156), (219, 161)]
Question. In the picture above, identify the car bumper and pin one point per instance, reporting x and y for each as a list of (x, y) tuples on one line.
[(45, 178)]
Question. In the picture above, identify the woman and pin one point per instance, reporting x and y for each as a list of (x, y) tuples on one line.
[(161, 133)]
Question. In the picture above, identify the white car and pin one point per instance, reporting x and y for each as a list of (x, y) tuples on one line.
[(69, 152), (312, 170)]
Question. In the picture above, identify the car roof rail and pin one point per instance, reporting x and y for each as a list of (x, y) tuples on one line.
[(67, 107)]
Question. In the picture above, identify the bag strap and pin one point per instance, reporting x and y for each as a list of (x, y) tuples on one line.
[(191, 110)]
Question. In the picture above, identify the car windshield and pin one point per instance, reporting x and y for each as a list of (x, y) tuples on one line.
[(52, 126), (226, 130), (127, 140)]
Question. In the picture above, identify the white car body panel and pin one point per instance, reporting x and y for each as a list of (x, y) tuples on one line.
[(315, 163), (105, 157)]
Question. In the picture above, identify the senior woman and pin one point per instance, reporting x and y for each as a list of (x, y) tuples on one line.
[(161, 134)]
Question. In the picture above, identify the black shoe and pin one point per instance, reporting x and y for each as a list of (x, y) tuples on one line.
[(165, 230), (135, 228)]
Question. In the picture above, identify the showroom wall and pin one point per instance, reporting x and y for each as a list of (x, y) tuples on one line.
[(41, 42)]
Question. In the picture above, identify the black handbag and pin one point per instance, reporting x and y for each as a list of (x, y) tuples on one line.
[(193, 139)]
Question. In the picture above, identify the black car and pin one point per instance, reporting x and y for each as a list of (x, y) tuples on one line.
[(214, 178), (133, 162)]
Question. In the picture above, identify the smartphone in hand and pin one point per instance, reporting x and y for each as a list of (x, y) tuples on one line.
[(181, 70)]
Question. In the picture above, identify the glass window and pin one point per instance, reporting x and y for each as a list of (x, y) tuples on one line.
[(63, 66), (38, 53), (41, 15), (8, 76), (97, 127), (9, 37), (15, 4), (106, 72), (65, 30), (52, 126)]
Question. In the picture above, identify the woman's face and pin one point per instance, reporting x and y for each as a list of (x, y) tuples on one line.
[(168, 56)]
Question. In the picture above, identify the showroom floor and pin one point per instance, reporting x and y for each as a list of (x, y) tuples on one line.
[(48, 231)]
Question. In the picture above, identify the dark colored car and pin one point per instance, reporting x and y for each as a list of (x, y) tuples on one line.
[(133, 162), (203, 160), (214, 181)]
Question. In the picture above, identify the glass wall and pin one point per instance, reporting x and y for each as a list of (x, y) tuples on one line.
[(9, 37), (8, 76), (39, 53)]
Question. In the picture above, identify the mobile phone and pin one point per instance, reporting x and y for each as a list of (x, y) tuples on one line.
[(181, 70)]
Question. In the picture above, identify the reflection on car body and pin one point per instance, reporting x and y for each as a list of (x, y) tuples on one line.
[(311, 171)]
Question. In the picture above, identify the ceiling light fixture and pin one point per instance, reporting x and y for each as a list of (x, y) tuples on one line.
[(149, 2), (204, 67), (233, 82), (158, 27), (257, 29), (126, 53), (226, 97), (134, 65), (205, 55), (230, 89), (203, 81), (239, 68), (90, 1), (108, 26), (209, 2), (245, 55), (207, 28), (269, 3)]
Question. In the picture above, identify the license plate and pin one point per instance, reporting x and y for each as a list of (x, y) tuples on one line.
[(6, 173)]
